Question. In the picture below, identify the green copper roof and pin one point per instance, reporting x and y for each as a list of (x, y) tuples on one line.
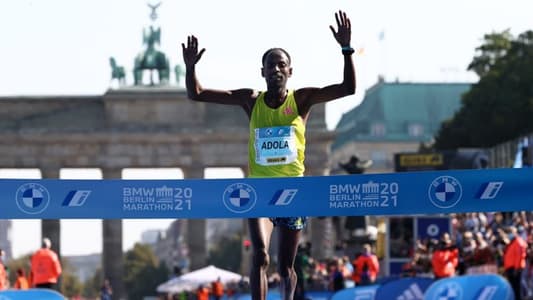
[(400, 112)]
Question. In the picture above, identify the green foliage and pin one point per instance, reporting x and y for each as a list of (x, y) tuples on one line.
[(499, 107), (91, 287), (14, 264), (143, 272), (226, 254), (495, 47), (71, 285)]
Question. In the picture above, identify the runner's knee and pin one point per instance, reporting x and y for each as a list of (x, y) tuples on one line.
[(261, 258), (286, 271)]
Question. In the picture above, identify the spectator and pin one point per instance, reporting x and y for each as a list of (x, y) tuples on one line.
[(4, 281), (514, 260), (106, 291), (483, 221), (366, 267), (412, 268), (230, 292), (467, 253), (424, 250), (202, 293), (445, 258), (499, 241), (471, 222), (336, 279), (217, 289), (483, 254), (45, 266), (521, 231), (497, 222), (347, 267), (21, 282), (301, 263), (529, 272)]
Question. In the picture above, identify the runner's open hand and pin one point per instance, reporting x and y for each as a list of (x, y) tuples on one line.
[(190, 53), (344, 32)]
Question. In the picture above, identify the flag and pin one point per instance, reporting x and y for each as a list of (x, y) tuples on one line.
[(381, 35), (519, 156)]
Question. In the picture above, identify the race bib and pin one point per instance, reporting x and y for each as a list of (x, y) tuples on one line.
[(275, 145)]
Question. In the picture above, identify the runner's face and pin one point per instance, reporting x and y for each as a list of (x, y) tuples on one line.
[(276, 69)]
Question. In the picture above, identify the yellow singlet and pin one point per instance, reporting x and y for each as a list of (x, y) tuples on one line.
[(276, 146)]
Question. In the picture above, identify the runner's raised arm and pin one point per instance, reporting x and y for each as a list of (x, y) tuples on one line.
[(191, 56)]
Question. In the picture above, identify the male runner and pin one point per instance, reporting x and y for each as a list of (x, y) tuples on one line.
[(277, 115)]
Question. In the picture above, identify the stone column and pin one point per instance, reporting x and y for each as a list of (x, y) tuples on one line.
[(112, 255), (196, 228), (320, 230), (322, 238), (51, 228)]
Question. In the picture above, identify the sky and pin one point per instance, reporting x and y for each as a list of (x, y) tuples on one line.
[(62, 47)]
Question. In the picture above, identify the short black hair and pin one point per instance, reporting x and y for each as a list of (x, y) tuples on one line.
[(275, 49)]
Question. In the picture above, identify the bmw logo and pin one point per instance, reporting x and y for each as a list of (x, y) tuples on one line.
[(433, 230), (445, 192), (32, 198), (450, 290), (239, 197)]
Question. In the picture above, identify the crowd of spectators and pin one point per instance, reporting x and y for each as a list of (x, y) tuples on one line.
[(500, 243)]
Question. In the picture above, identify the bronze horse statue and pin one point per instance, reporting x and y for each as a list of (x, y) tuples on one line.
[(151, 59), (117, 72)]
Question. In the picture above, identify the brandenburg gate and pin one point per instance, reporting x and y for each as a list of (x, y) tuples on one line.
[(137, 127)]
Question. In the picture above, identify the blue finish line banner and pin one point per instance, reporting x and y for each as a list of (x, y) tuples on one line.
[(345, 195)]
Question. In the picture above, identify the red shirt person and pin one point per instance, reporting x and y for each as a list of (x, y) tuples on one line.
[(514, 260), (218, 289), (445, 258), (202, 293), (366, 267), (45, 266), (22, 282)]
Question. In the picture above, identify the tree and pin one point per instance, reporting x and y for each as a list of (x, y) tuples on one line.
[(70, 284), (226, 253), (13, 265), (143, 272), (499, 107), (91, 287)]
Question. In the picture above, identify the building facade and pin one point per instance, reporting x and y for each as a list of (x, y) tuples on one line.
[(394, 117)]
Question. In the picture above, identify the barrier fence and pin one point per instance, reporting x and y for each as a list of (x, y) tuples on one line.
[(408, 193)]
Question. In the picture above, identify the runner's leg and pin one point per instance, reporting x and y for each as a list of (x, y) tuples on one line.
[(260, 232), (288, 247)]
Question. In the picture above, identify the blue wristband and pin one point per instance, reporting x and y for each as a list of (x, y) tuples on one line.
[(347, 50)]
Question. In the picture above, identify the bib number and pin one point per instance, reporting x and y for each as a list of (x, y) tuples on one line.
[(275, 145)]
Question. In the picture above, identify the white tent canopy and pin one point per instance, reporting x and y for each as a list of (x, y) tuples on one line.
[(192, 280)]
